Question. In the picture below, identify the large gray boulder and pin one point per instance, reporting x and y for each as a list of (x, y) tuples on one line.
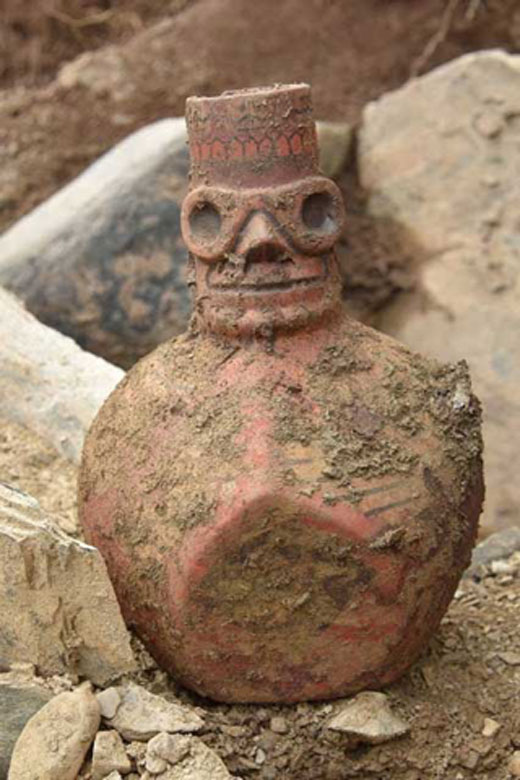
[(47, 383), (102, 260), (58, 610), (441, 157)]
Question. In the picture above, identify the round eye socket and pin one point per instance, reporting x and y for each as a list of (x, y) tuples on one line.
[(319, 213), (205, 221)]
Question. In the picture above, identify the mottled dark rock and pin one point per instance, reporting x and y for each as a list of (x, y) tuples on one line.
[(102, 260), (18, 703)]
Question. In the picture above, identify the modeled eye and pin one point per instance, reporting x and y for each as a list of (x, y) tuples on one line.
[(319, 212), (205, 221)]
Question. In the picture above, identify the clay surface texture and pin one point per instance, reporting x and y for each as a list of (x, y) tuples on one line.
[(285, 498)]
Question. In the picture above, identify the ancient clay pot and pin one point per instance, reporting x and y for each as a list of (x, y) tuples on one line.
[(285, 498)]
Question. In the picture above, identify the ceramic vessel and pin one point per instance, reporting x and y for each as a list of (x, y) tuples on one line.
[(285, 498)]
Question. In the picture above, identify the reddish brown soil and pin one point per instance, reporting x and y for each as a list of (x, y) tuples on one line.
[(350, 52), (35, 37)]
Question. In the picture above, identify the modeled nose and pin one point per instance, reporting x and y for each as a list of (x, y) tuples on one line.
[(260, 241)]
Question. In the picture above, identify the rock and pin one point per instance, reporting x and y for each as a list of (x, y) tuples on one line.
[(335, 143), (102, 260), (491, 727), (105, 72), (514, 764), (109, 755), (496, 547), (136, 751), (47, 383), (510, 658), (441, 158), (114, 776), (58, 610), (368, 718), (18, 703), (141, 715), (155, 765), (198, 763), (109, 700), (166, 749), (278, 725), (57, 739)]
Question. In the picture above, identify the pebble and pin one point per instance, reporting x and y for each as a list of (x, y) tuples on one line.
[(109, 700), (109, 755), (335, 143), (514, 764), (278, 725), (57, 739), (503, 567), (510, 658), (199, 763), (166, 749), (141, 715), (369, 718), (491, 727)]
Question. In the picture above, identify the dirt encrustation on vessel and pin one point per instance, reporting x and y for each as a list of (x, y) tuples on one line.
[(372, 428)]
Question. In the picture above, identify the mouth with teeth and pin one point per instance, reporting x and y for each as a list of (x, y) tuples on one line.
[(266, 270)]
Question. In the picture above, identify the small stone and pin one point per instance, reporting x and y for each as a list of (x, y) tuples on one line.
[(491, 727), (260, 757), (199, 763), (468, 758), (113, 776), (109, 755), (278, 725), (502, 567), (497, 547), (141, 715), (514, 764), (368, 717), (57, 739), (510, 658), (109, 700), (268, 740), (137, 752), (155, 766), (166, 748), (335, 142)]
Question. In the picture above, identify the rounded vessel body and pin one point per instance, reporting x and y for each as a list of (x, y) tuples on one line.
[(285, 498)]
